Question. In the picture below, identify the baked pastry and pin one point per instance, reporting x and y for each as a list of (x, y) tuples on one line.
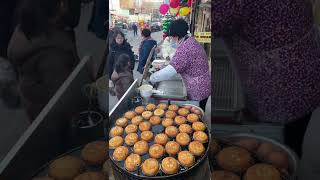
[(169, 165), (156, 151), (200, 136), (173, 107), (224, 175), (262, 172), (122, 122), (183, 139), (167, 122), (131, 128), (185, 128), (196, 148), (186, 159), (147, 114), (199, 126), (234, 159), (95, 153), (137, 120), (172, 131), (132, 162), (214, 147), (139, 110), (180, 120), (116, 131), (162, 106), (42, 178), (141, 147), (158, 112), (278, 159), (145, 126), (131, 139), (183, 112), (115, 142), (155, 120), (250, 144), (161, 139), (150, 167), (170, 114), (151, 107), (193, 118), (120, 153), (74, 166), (147, 136), (91, 176), (129, 114), (173, 148)]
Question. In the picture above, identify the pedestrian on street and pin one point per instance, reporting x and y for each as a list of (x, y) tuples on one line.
[(135, 29), (119, 46), (145, 47)]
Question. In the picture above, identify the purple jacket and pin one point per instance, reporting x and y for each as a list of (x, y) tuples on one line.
[(191, 61)]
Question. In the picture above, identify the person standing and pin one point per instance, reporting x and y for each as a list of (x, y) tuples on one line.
[(145, 48), (135, 29)]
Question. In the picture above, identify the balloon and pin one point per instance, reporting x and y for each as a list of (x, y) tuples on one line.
[(189, 3), (174, 11), (174, 3), (164, 8), (184, 11)]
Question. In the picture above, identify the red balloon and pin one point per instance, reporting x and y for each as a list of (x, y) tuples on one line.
[(174, 3), (189, 3)]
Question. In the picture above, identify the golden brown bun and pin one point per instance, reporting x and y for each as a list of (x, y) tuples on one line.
[(185, 128), (224, 175), (147, 114), (147, 136), (262, 172), (155, 120), (131, 128), (95, 153), (74, 166), (172, 148), (198, 126), (278, 159), (158, 112), (196, 148), (170, 114), (122, 122), (234, 159), (183, 112), (186, 159), (120, 153), (137, 120), (162, 106), (139, 110), (183, 139), (141, 147), (150, 167), (172, 131), (173, 107), (200, 136), (180, 120), (130, 114), (193, 118), (151, 107), (133, 162), (131, 139), (250, 144), (43, 178), (145, 126), (156, 151), (169, 165), (167, 122), (161, 139), (115, 142), (116, 131), (91, 176)]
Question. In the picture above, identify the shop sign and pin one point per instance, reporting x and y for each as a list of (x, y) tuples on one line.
[(203, 37), (127, 4)]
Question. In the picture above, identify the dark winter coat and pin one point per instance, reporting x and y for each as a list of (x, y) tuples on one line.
[(43, 64), (115, 52), (122, 82), (144, 52)]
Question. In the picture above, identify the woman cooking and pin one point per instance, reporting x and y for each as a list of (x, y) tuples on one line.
[(191, 61)]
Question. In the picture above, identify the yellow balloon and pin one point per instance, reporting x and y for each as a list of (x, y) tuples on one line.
[(184, 11), (174, 11)]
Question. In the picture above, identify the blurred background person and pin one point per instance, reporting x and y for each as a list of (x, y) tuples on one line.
[(145, 48)]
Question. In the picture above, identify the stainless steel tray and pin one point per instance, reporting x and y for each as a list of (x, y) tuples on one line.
[(171, 89)]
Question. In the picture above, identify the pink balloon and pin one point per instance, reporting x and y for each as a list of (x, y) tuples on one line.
[(189, 3), (174, 3), (164, 8)]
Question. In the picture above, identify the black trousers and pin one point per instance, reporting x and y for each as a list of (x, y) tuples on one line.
[(294, 133), (203, 104)]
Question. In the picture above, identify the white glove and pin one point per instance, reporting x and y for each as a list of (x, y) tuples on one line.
[(164, 74)]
